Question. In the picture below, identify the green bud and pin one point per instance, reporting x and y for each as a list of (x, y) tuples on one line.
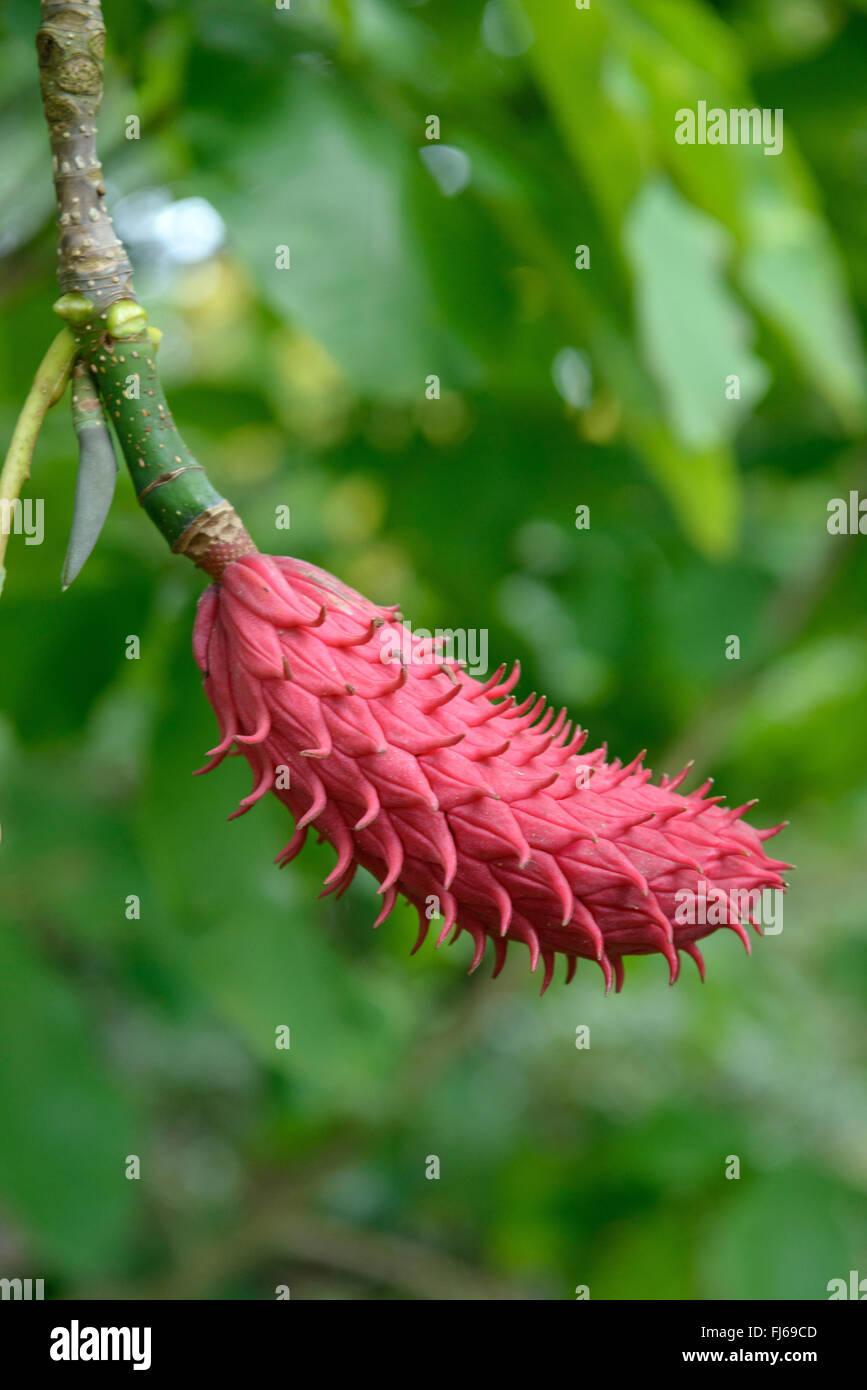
[(74, 308), (126, 319), (155, 335)]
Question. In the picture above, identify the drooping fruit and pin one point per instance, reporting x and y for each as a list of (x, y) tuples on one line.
[(476, 808)]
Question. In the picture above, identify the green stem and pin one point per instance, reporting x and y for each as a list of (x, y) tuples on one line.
[(48, 386), (170, 483), (99, 303)]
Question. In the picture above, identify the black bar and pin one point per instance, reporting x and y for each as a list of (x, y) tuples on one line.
[(222, 1338)]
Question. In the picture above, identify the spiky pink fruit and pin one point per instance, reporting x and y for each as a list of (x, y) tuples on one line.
[(449, 792)]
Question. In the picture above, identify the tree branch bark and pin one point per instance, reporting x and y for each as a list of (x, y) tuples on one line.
[(71, 46)]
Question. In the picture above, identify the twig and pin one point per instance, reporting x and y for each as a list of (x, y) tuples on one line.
[(48, 386), (277, 1228)]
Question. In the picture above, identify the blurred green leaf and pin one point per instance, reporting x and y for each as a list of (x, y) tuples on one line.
[(66, 1127), (780, 1237), (792, 273), (357, 281), (695, 336)]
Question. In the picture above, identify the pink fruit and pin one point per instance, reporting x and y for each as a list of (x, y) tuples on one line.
[(475, 808)]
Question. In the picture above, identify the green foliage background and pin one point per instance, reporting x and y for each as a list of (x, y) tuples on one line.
[(306, 388)]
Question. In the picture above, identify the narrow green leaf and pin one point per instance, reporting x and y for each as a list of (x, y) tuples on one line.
[(97, 474)]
